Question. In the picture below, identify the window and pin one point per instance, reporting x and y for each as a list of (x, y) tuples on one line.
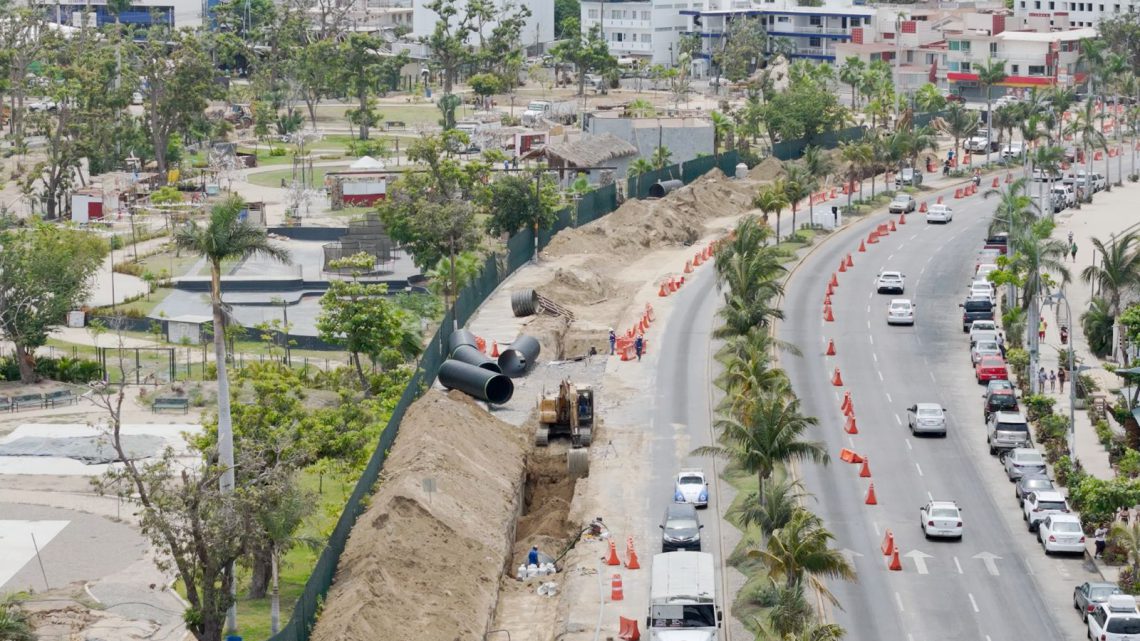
[(952, 66), (1013, 70), (966, 46), (1050, 6), (1101, 7), (783, 19), (955, 46), (1116, 8), (813, 42), (993, 49), (645, 15), (592, 14), (815, 21), (1037, 70), (965, 67), (1022, 4)]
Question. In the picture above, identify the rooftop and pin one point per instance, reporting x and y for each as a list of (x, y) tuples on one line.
[(589, 150), (1048, 36)]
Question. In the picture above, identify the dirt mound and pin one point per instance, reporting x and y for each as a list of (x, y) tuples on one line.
[(429, 567), (768, 170), (577, 286)]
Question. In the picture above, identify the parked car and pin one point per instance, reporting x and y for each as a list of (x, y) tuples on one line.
[(890, 283), (1012, 150), (982, 289), (1000, 400), (1021, 461), (987, 256), (1066, 192), (1040, 504), (1081, 180), (941, 519), (999, 242), (691, 486), (908, 177), (1007, 430), (989, 368), (1031, 483), (979, 326), (1041, 175), (1088, 595), (974, 309), (900, 311), (979, 145), (983, 348), (1117, 619), (926, 418), (901, 204), (680, 529), (983, 336), (1061, 533), (984, 270)]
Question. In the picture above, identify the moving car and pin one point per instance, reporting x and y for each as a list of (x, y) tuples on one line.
[(975, 309), (681, 529), (890, 283), (1115, 620), (998, 400), (1012, 150), (1061, 533), (1021, 461), (909, 177), (983, 348), (979, 145), (938, 213), (901, 204), (1040, 504), (1031, 483), (1088, 595), (1007, 430), (926, 418), (989, 368), (900, 311), (691, 486), (941, 519)]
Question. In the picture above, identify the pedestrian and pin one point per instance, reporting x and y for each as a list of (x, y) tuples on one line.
[(1052, 381), (1061, 379), (1042, 377), (1099, 537), (638, 345), (1041, 329), (1073, 249), (613, 341), (1070, 238), (1001, 344), (532, 558)]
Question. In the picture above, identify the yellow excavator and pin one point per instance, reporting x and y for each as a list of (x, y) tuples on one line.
[(569, 412)]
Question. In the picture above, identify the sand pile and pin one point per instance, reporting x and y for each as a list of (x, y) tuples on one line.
[(768, 170), (429, 569), (577, 286)]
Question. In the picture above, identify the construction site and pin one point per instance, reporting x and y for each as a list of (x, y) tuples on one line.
[(471, 488)]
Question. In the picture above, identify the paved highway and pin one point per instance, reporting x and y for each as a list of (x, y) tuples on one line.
[(996, 583)]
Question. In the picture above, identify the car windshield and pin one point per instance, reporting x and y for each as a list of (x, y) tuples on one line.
[(1038, 484), (1067, 527), (929, 412), (1012, 427), (1051, 505), (944, 512), (902, 307), (978, 306), (891, 275), (901, 199), (691, 480), (1102, 594), (1030, 458), (1123, 625), (988, 347), (1003, 401), (681, 524)]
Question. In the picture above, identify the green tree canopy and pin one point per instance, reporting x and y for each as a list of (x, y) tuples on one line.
[(517, 202)]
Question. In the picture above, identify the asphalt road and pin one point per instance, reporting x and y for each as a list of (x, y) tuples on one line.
[(996, 583)]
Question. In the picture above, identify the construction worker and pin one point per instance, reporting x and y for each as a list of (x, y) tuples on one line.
[(532, 557), (638, 345), (613, 341)]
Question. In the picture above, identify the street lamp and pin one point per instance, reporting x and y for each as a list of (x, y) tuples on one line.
[(1074, 371)]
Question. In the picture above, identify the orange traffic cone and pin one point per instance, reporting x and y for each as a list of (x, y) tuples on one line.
[(846, 401), (850, 263), (872, 238), (842, 266), (697, 259), (850, 409), (631, 555), (616, 593), (847, 456), (895, 564), (958, 193), (613, 559), (862, 247), (834, 280), (662, 292), (922, 207), (888, 546), (494, 349), (850, 426), (940, 200), (827, 299), (871, 500), (995, 185), (830, 289), (830, 348), (902, 219), (865, 471), (688, 266), (893, 228), (836, 379), (827, 315)]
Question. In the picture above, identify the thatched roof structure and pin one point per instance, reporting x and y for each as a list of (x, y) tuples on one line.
[(589, 150)]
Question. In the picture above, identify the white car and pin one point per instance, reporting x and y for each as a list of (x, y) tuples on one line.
[(1012, 150), (1117, 619), (1061, 533), (983, 336), (1065, 193), (941, 519), (982, 326), (983, 348), (900, 311), (890, 283), (926, 418), (1080, 179), (938, 213), (982, 289), (1038, 505), (1040, 176), (984, 271), (986, 257), (691, 486)]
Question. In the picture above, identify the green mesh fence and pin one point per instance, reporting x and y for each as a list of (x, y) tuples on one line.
[(520, 249)]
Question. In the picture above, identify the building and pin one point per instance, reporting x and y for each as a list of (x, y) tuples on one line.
[(685, 137), (649, 32), (1076, 14), (539, 26), (573, 156), (179, 13)]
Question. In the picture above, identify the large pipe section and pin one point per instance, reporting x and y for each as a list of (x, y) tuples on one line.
[(476, 381), (659, 189), (522, 355), (472, 356), (524, 302), (459, 337)]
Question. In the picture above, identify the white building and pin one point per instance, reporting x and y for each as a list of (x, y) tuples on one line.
[(646, 31), (539, 26), (142, 13), (1078, 14)]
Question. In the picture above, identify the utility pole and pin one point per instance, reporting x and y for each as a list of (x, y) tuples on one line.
[(898, 73)]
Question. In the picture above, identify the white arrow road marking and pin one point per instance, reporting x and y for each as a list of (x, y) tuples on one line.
[(919, 557), (849, 555), (989, 559)]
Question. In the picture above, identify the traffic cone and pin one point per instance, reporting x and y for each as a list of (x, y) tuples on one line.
[(849, 411), (616, 593), (697, 259), (939, 200), (842, 266), (662, 292), (830, 289), (850, 263), (847, 456), (871, 500), (836, 379), (888, 546), (831, 348), (827, 315), (865, 471), (827, 299), (896, 564), (833, 192), (631, 555), (688, 266), (922, 207), (494, 349), (872, 238), (862, 247), (613, 557), (902, 219), (846, 401), (893, 228), (958, 193), (834, 280), (850, 426), (995, 185)]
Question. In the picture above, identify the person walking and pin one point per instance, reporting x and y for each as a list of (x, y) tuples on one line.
[(1041, 329), (638, 345), (1061, 378), (613, 341), (1073, 249), (1052, 381), (1099, 537), (1042, 378)]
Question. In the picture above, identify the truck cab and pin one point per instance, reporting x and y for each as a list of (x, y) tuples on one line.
[(682, 598)]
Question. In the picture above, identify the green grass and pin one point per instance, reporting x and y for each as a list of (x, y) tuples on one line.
[(141, 307), (745, 609), (174, 263), (274, 178)]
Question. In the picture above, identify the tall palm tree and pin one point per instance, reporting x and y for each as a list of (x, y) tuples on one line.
[(851, 74), (769, 435), (639, 168), (1015, 209), (1031, 134), (958, 123), (798, 185), (772, 512), (858, 155), (1048, 161), (224, 237), (772, 199), (929, 99), (792, 613), (1061, 98), (1036, 258), (747, 239), (1115, 275), (990, 73), (802, 550), (819, 166), (1084, 126), (723, 128), (1099, 325)]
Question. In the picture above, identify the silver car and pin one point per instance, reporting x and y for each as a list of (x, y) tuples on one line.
[(926, 418), (901, 204), (1022, 461), (983, 348)]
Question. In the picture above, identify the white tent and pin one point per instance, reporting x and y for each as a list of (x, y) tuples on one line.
[(366, 163)]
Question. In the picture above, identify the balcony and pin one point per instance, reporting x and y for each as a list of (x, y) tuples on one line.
[(611, 24), (788, 29), (629, 46)]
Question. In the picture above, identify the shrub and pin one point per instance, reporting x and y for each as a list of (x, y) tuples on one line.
[(129, 268), (372, 147), (1038, 405), (64, 369), (1129, 463), (1103, 433), (765, 595), (1052, 427), (1128, 581), (276, 151)]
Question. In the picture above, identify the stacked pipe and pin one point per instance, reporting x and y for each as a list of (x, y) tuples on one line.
[(471, 372)]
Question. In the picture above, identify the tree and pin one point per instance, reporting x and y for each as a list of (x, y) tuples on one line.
[(929, 99), (804, 111), (565, 9), (661, 157), (958, 123), (588, 52), (310, 71), (798, 185), (515, 202), (722, 131), (485, 85), (772, 199), (364, 69), (448, 41), (1084, 126), (803, 547), (1099, 325), (45, 272), (774, 510), (990, 73), (743, 49), (850, 74), (1116, 275), (225, 236), (859, 156)]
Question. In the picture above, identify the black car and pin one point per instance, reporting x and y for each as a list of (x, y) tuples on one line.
[(999, 400), (976, 309), (681, 529), (1031, 483)]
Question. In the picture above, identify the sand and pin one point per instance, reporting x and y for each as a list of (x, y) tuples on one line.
[(430, 569)]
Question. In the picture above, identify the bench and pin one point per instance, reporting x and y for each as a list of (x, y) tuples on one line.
[(170, 404), (395, 124), (27, 400), (5, 403), (59, 397)]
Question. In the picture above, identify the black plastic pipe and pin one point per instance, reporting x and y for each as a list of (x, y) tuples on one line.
[(522, 355), (457, 338), (472, 356), (476, 381), (659, 189)]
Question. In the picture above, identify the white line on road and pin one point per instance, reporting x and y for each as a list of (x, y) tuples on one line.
[(851, 441), (890, 257), (880, 375), (958, 565), (973, 602), (878, 532), (907, 441), (868, 324), (918, 468), (1028, 568), (898, 420), (909, 637), (914, 236), (932, 376), (930, 496), (868, 309), (874, 357), (889, 398), (898, 600), (922, 271), (872, 338)]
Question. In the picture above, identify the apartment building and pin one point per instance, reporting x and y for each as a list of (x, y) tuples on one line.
[(1076, 14), (648, 32), (142, 13), (539, 27)]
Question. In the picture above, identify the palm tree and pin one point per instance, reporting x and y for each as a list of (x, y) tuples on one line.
[(792, 613), (772, 199), (747, 239), (819, 632), (929, 99), (641, 108), (1127, 536), (1047, 160), (1099, 326), (851, 74), (958, 123), (858, 155), (1015, 209), (639, 168), (722, 131), (798, 185), (1031, 134), (225, 236), (774, 510), (1084, 126), (990, 73), (802, 549), (1116, 275), (1061, 98), (662, 157), (769, 435)]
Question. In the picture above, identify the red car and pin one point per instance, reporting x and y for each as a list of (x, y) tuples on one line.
[(990, 368)]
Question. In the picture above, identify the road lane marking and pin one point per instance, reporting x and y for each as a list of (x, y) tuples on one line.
[(930, 496), (914, 236), (874, 357), (958, 565), (872, 338), (890, 257), (898, 601), (868, 324), (868, 309), (973, 602), (918, 468), (932, 377), (889, 398), (1028, 568), (907, 441), (898, 420), (851, 440), (878, 532), (880, 375)]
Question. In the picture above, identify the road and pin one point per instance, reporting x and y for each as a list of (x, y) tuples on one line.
[(996, 583)]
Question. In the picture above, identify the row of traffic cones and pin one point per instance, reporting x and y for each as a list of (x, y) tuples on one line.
[(631, 562), (625, 344)]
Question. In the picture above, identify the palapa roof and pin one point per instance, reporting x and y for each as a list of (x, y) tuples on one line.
[(589, 150)]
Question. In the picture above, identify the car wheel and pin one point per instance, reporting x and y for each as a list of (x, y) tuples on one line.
[(992, 451), (1076, 606)]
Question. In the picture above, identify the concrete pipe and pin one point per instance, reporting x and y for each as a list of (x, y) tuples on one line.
[(472, 356), (476, 381), (524, 302), (658, 190), (460, 337), (517, 360)]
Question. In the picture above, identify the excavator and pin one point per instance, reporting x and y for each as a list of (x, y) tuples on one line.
[(569, 412)]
